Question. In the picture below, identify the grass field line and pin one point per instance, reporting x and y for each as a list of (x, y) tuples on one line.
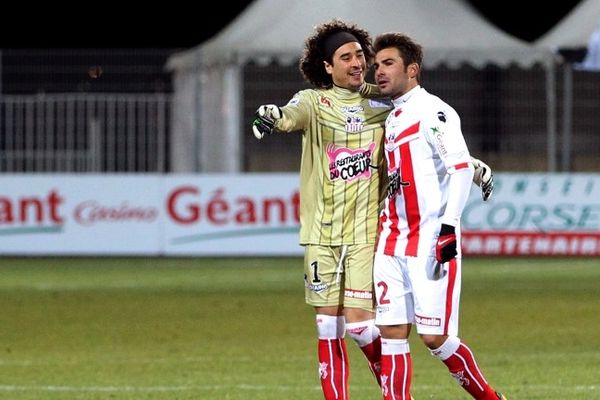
[(249, 387), (129, 360)]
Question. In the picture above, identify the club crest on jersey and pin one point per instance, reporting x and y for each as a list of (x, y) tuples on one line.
[(354, 123), (441, 116), (350, 164)]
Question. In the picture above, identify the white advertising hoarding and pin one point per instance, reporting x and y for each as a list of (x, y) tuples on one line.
[(535, 214), (80, 214), (251, 214), (257, 215)]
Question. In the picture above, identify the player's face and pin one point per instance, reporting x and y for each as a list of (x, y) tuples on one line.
[(392, 76), (349, 66)]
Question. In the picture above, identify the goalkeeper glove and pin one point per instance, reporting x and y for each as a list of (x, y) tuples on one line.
[(483, 178), (264, 120), (445, 248)]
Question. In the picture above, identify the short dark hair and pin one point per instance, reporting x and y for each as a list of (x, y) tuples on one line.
[(410, 51), (313, 55)]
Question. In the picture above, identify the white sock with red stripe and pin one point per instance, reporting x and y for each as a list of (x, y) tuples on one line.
[(368, 338), (396, 369), (333, 357), (460, 361)]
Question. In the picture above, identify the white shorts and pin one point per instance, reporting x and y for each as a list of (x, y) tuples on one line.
[(417, 290)]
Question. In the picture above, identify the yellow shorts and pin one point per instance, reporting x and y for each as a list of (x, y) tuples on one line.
[(341, 275)]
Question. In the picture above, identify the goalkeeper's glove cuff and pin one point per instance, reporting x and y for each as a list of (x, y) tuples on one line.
[(445, 248), (264, 120)]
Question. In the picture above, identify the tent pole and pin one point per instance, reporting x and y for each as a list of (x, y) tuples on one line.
[(551, 114), (567, 128)]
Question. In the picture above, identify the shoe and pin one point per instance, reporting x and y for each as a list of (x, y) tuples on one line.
[(500, 396)]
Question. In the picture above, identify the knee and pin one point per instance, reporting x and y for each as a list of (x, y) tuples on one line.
[(433, 341), (363, 332)]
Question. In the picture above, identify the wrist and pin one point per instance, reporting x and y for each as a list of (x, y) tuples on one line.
[(447, 230)]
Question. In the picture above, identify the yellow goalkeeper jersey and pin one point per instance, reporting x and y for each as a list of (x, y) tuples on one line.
[(342, 169)]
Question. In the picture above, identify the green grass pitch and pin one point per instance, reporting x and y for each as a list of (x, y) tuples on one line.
[(238, 329)]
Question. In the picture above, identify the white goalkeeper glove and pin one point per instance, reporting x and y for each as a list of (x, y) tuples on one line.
[(483, 178), (264, 120)]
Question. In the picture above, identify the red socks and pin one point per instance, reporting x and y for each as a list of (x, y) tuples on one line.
[(333, 368), (396, 369), (462, 366)]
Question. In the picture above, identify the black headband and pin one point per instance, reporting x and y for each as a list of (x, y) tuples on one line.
[(335, 41)]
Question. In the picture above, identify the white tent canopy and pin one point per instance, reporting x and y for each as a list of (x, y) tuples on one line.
[(208, 77), (575, 29)]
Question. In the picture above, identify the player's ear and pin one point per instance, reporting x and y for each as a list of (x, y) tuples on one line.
[(413, 70), (328, 67)]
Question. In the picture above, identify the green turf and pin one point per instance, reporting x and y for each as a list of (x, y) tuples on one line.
[(238, 329)]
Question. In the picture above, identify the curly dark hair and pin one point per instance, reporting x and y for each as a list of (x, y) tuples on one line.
[(313, 55)]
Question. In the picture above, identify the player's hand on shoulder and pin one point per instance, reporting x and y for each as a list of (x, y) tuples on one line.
[(484, 178), (264, 120)]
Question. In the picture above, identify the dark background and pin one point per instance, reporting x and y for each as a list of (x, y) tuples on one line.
[(180, 25), (51, 48)]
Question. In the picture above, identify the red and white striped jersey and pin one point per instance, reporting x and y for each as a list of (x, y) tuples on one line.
[(424, 146)]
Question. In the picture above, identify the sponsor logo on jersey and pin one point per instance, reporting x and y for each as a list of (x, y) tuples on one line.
[(395, 184), (358, 294), (324, 101), (354, 123), (294, 102), (428, 321), (316, 287), (352, 109), (350, 164), (439, 138)]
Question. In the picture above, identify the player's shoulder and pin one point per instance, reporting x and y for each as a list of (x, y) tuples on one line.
[(303, 96), (436, 107)]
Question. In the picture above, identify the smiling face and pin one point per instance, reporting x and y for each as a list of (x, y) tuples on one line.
[(391, 75), (348, 67)]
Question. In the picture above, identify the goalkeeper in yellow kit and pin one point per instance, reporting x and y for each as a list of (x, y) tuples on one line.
[(342, 179)]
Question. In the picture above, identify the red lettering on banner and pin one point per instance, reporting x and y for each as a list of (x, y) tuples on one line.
[(31, 209), (531, 243), (91, 212), (185, 207)]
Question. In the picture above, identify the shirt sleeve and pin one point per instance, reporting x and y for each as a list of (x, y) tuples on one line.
[(296, 113), (443, 123), (458, 194)]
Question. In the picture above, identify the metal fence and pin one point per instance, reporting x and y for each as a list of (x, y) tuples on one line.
[(84, 132), (503, 114)]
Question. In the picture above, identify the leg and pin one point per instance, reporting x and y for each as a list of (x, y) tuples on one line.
[(394, 317), (366, 335), (324, 294), (460, 361), (437, 297), (333, 356), (359, 304)]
